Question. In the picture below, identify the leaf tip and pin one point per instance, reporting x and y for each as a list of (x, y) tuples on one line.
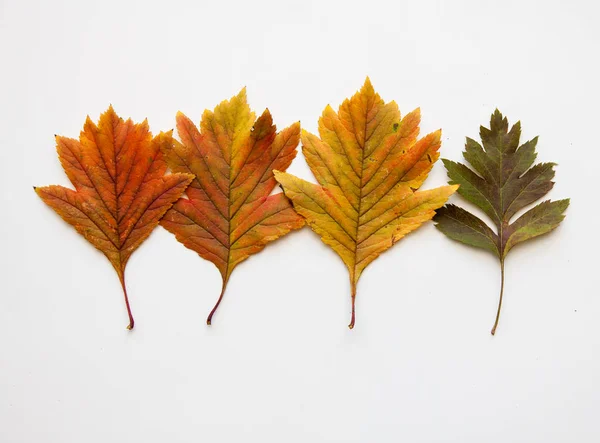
[(562, 204), (367, 87), (242, 94), (267, 114)]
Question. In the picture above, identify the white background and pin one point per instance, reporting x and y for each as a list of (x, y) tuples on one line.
[(279, 363)]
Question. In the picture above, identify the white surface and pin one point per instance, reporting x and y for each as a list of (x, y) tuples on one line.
[(279, 363)]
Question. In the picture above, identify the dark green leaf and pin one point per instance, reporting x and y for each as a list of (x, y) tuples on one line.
[(463, 226), (538, 220), (501, 182)]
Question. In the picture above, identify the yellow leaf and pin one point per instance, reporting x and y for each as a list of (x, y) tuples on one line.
[(369, 164)]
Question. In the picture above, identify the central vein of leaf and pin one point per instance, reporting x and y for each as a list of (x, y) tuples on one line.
[(501, 198), (360, 189), (229, 186), (115, 179)]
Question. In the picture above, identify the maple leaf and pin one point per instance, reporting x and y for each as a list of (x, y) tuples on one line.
[(229, 214), (501, 183), (369, 163), (121, 192)]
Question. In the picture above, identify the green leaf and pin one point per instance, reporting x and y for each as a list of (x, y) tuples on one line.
[(539, 220), (502, 180), (464, 227)]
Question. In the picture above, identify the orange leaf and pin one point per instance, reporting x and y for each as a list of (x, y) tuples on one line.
[(229, 214), (369, 163), (118, 169)]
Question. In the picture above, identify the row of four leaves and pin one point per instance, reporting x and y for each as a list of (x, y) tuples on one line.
[(368, 161)]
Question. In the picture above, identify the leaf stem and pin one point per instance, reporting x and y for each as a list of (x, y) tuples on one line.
[(209, 319), (353, 318), (131, 321), (501, 293)]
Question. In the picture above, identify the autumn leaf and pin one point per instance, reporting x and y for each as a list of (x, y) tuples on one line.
[(121, 192), (229, 214), (368, 163), (501, 183)]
